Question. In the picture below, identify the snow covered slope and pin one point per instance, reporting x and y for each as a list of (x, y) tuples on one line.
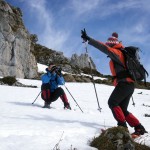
[(24, 126)]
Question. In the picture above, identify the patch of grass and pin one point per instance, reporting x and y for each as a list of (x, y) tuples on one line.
[(9, 80), (141, 147), (108, 140), (102, 143)]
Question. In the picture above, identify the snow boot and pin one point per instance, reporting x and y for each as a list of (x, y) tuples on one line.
[(139, 130), (123, 124), (46, 105), (67, 105)]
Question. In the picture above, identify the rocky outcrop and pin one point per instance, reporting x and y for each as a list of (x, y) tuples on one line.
[(82, 61), (16, 44), (45, 55)]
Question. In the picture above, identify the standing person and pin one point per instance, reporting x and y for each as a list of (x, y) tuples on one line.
[(50, 90), (124, 85)]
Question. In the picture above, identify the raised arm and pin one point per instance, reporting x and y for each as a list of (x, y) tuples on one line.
[(113, 53)]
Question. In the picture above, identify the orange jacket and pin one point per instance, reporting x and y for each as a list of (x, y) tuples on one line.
[(117, 62)]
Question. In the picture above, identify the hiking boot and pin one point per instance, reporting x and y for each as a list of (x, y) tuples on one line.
[(122, 124), (139, 130), (67, 105), (46, 105)]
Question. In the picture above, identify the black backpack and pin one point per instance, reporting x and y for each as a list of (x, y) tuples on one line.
[(135, 69)]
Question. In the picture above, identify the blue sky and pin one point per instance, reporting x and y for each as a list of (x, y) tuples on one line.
[(58, 24)]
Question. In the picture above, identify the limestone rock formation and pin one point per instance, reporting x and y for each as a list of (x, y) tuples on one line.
[(45, 55), (16, 44), (82, 61)]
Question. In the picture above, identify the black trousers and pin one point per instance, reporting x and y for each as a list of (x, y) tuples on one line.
[(120, 97), (56, 94)]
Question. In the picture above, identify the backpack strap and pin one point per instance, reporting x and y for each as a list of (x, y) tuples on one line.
[(146, 74), (122, 74), (145, 71)]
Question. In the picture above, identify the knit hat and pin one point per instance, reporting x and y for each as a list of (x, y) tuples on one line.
[(51, 63), (111, 41)]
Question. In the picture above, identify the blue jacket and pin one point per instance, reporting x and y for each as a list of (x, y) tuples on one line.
[(53, 79)]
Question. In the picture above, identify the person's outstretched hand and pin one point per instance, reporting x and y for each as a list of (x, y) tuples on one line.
[(84, 36)]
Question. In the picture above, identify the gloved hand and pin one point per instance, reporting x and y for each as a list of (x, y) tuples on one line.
[(58, 71), (84, 36)]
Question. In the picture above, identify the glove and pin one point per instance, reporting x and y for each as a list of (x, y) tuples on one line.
[(84, 36), (58, 71)]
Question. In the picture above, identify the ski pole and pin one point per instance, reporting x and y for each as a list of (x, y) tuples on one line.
[(133, 102), (73, 98), (36, 97), (99, 108)]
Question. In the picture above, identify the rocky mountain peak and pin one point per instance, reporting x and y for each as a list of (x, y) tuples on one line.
[(83, 61)]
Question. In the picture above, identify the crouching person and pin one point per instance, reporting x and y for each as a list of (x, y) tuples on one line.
[(50, 90)]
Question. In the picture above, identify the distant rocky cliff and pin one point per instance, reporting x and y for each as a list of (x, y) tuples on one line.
[(16, 58), (75, 64)]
